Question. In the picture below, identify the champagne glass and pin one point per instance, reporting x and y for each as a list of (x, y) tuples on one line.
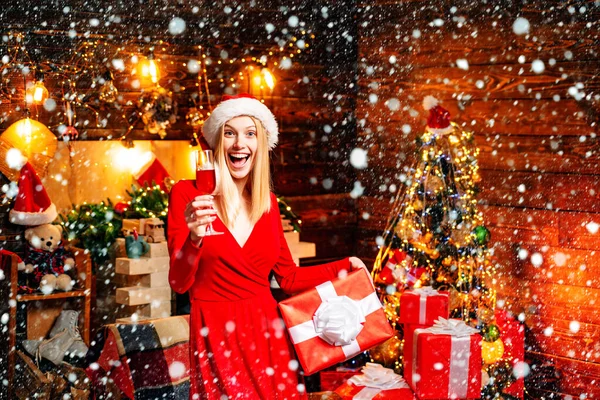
[(206, 181)]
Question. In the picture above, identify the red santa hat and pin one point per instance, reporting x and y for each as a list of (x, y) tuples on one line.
[(153, 171), (32, 206), (438, 121), (237, 106)]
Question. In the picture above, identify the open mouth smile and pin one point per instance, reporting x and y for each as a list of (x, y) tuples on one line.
[(238, 160)]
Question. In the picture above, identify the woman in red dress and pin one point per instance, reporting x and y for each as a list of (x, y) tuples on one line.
[(238, 344)]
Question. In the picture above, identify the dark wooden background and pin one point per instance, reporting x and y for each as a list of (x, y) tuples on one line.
[(530, 130)]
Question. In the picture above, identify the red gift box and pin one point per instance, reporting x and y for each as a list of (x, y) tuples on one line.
[(387, 272), (512, 333), (423, 306), (446, 361), (350, 391), (407, 351), (331, 380), (335, 321), (376, 382)]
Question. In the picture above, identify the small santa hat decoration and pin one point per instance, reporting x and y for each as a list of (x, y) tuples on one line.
[(438, 121), (237, 106), (32, 206), (8, 253), (153, 172)]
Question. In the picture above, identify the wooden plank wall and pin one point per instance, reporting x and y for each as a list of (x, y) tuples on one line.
[(312, 101), (539, 153)]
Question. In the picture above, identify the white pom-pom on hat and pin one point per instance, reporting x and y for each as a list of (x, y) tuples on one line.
[(429, 102)]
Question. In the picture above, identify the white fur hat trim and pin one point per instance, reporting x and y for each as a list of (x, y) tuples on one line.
[(237, 107)]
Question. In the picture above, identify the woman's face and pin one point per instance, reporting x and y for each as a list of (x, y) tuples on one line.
[(240, 145)]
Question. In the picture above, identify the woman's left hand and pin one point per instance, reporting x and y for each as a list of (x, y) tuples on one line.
[(356, 264)]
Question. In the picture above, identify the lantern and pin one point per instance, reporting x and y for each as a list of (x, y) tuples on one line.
[(33, 139)]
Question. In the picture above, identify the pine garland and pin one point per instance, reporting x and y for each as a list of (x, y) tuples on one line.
[(147, 202), (94, 227)]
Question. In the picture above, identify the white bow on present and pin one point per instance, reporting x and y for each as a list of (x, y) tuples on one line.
[(338, 320), (454, 327), (375, 378)]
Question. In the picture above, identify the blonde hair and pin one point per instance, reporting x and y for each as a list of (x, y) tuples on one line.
[(228, 201)]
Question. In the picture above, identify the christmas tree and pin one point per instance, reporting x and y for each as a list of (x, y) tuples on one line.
[(435, 236)]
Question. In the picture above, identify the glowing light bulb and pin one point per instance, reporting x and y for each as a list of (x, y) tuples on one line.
[(153, 70), (37, 93), (24, 130), (268, 78)]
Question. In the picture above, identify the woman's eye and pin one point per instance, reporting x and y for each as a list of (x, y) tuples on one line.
[(228, 133), (251, 133)]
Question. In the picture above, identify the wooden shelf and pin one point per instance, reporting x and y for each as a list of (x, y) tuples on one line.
[(52, 296), (41, 310)]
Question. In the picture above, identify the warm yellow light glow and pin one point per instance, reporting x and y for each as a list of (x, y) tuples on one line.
[(130, 159), (268, 78), (257, 81), (30, 137), (142, 160), (150, 70), (37, 93)]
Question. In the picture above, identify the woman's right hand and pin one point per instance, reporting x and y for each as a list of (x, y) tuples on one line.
[(198, 214)]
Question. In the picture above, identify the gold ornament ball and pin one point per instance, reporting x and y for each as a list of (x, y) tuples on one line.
[(404, 229), (492, 352), (434, 254), (485, 315), (417, 205), (388, 352), (434, 183), (454, 299), (195, 118)]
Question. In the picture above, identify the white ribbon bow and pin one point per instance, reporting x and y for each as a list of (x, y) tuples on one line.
[(339, 320), (376, 376), (426, 291), (453, 327)]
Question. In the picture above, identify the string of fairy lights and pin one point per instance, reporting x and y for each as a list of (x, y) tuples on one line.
[(84, 78)]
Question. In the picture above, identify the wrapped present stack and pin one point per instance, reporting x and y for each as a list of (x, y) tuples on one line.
[(142, 271), (442, 357)]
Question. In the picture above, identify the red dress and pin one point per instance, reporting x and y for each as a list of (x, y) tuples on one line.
[(238, 344)]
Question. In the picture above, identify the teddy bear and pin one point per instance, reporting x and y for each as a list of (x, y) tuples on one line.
[(47, 263)]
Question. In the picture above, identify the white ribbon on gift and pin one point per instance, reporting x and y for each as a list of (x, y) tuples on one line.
[(375, 378), (460, 352), (338, 320), (424, 292)]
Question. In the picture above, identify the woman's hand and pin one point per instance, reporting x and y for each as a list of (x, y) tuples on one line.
[(356, 264), (198, 214)]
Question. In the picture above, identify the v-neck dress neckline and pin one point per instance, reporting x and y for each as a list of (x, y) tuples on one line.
[(228, 232)]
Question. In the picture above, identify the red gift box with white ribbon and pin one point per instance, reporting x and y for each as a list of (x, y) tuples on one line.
[(375, 383), (335, 321), (446, 361), (423, 306)]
